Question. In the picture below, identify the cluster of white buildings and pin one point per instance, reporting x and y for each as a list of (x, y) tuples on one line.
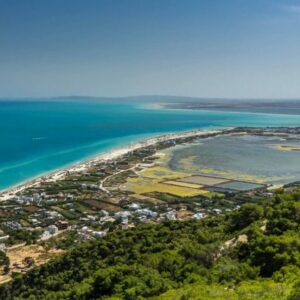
[(85, 233), (89, 187)]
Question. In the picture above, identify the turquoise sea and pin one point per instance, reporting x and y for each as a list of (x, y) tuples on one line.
[(41, 136)]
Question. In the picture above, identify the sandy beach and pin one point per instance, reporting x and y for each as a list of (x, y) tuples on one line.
[(107, 156)]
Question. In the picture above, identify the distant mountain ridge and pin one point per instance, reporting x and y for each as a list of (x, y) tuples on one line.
[(275, 106), (159, 98)]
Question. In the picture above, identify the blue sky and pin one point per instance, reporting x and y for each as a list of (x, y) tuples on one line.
[(205, 48)]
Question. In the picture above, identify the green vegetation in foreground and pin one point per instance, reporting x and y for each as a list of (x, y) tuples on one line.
[(252, 253)]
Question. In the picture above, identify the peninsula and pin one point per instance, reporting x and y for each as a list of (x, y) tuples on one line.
[(42, 218), (125, 212)]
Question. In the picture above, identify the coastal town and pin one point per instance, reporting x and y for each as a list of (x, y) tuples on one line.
[(42, 218)]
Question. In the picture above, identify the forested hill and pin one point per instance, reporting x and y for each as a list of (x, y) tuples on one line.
[(252, 253)]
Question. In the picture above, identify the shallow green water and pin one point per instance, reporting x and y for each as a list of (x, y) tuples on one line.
[(240, 157)]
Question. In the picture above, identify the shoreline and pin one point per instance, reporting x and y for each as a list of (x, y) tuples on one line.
[(106, 156), (162, 106)]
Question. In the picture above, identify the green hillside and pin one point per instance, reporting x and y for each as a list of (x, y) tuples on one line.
[(252, 253)]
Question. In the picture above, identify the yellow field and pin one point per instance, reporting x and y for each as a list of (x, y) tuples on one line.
[(184, 184), (286, 148), (243, 177), (159, 172), (150, 180)]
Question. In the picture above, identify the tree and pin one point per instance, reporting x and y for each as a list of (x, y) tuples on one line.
[(246, 215)]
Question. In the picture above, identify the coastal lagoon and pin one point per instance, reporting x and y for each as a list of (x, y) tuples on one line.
[(261, 159), (42, 136)]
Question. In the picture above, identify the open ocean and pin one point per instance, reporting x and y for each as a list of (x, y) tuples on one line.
[(42, 136)]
